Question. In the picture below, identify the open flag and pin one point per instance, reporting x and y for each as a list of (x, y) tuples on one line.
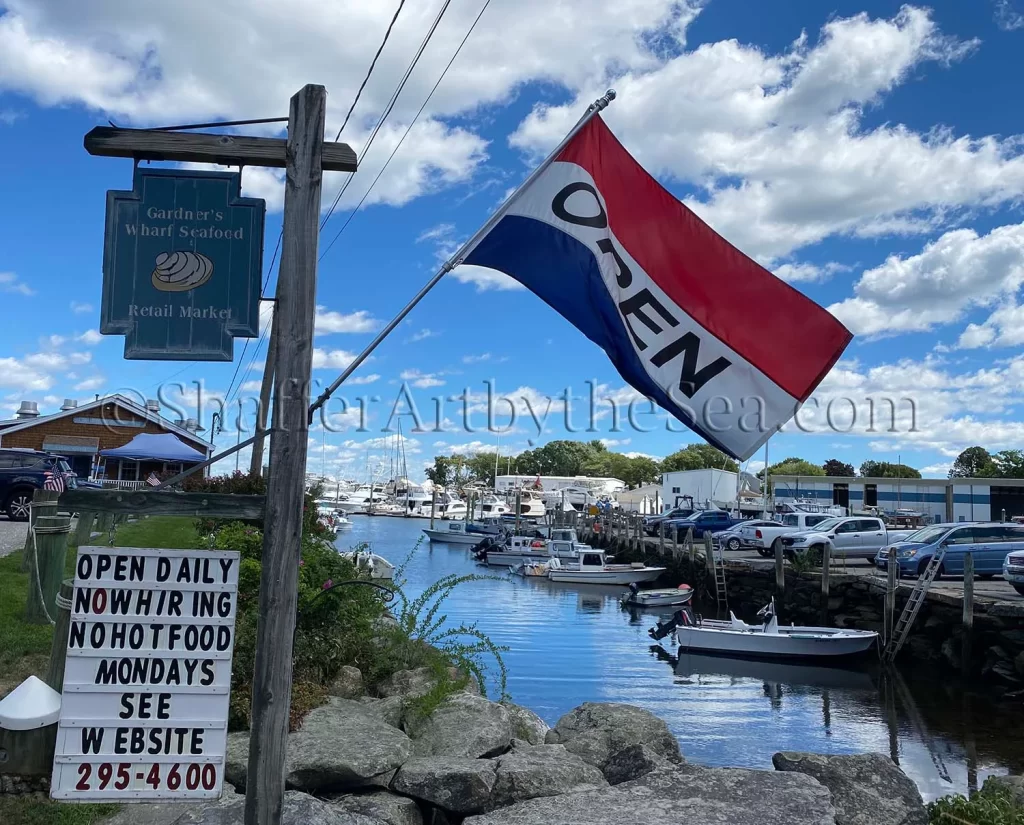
[(688, 320)]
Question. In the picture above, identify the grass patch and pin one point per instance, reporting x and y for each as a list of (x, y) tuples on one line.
[(24, 648), (16, 810), (175, 532)]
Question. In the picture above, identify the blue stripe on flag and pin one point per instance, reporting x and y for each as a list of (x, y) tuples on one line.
[(564, 273)]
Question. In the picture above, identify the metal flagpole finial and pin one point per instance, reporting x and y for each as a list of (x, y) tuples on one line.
[(602, 102)]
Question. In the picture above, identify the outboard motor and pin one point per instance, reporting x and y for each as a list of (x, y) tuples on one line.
[(634, 588), (479, 551), (683, 617)]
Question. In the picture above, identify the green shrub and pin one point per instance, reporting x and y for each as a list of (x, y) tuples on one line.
[(340, 625), (992, 805)]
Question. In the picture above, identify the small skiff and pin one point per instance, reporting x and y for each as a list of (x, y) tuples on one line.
[(767, 640), (665, 597)]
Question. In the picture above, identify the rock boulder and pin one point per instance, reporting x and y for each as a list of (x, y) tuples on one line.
[(348, 684), (526, 724), (459, 785), (384, 807), (298, 809), (683, 795), (544, 770), (462, 726), (1013, 785), (597, 731), (342, 745), (867, 788), (632, 763)]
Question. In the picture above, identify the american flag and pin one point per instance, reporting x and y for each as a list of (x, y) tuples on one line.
[(53, 480)]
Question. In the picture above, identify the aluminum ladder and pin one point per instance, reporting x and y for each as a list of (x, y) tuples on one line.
[(721, 592), (913, 606)]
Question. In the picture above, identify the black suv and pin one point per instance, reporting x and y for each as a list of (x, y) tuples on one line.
[(22, 472)]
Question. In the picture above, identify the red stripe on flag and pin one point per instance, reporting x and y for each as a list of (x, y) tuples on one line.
[(779, 330)]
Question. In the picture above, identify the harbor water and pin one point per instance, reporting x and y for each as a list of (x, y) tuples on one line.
[(569, 644)]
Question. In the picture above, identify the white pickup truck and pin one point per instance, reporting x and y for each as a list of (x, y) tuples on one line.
[(852, 537), (762, 539)]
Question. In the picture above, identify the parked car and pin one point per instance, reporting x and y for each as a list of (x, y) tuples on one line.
[(734, 538), (854, 537), (1013, 571), (988, 543), (22, 472), (763, 538), (701, 522), (652, 524)]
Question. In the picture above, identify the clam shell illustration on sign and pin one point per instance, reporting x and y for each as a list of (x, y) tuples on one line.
[(181, 271)]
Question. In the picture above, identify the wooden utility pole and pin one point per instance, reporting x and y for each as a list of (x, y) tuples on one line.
[(263, 413), (282, 537), (305, 156)]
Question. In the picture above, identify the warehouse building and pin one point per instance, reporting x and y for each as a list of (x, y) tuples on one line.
[(939, 499)]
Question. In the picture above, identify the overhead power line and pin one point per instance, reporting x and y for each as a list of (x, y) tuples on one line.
[(412, 123), (369, 71), (388, 108)]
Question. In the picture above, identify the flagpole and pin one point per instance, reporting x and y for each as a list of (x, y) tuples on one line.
[(456, 259)]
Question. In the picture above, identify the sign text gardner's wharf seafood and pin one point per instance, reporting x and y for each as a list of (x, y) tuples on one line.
[(182, 259), (148, 678)]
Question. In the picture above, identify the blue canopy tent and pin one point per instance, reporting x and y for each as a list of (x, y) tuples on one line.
[(155, 450)]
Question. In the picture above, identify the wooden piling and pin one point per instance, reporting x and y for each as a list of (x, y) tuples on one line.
[(44, 503), (661, 537), (48, 571), (826, 555), (968, 617), (433, 506), (62, 625), (892, 582), (709, 553), (689, 548), (780, 568)]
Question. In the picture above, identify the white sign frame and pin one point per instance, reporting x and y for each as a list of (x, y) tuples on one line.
[(148, 678)]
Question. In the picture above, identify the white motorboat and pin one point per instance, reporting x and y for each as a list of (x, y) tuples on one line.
[(449, 505), (531, 505), (341, 523), (528, 550), (767, 640), (664, 597), (359, 499), (593, 567), (461, 532), (376, 566), (491, 507)]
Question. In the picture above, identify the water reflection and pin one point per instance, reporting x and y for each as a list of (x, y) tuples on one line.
[(574, 643)]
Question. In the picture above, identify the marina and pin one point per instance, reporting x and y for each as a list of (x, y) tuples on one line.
[(572, 643)]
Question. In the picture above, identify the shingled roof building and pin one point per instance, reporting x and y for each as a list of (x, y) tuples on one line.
[(82, 433)]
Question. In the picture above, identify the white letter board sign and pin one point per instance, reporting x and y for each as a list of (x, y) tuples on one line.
[(148, 679)]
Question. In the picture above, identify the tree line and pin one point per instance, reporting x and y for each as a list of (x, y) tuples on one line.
[(592, 458)]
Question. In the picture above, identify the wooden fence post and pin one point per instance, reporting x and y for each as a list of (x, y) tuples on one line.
[(44, 503), (83, 529), (780, 568), (48, 567), (661, 537), (433, 506), (62, 625), (709, 553), (689, 547)]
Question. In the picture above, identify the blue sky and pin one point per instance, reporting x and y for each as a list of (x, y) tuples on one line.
[(868, 153)]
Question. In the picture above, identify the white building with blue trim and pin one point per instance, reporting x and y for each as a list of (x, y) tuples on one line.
[(939, 499)]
